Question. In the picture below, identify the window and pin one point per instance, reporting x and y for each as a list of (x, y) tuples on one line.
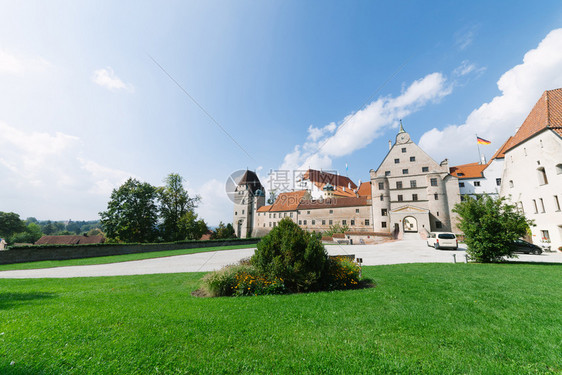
[(476, 183), (400, 198), (425, 169), (558, 168), (412, 183), (545, 236), (433, 182), (323, 222), (404, 171), (387, 173), (352, 222), (367, 222), (383, 224), (461, 184), (291, 214), (356, 210), (403, 149), (331, 211), (270, 224), (438, 225), (308, 212), (384, 212), (382, 197), (412, 158), (542, 205), (381, 185), (270, 216), (344, 222), (242, 212), (542, 176), (330, 222), (396, 161), (556, 203), (510, 183), (264, 225), (235, 212), (498, 181), (436, 196), (304, 222), (274, 216), (300, 222), (398, 184), (313, 222), (414, 197), (535, 204), (540, 141), (437, 213)]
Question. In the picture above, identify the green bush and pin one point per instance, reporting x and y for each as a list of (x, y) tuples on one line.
[(292, 255), (343, 274), (240, 280)]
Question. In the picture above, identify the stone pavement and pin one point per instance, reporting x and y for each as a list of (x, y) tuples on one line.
[(395, 252)]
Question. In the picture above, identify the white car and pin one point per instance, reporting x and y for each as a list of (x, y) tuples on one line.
[(442, 240)]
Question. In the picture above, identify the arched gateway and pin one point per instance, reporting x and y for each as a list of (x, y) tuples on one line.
[(410, 224)]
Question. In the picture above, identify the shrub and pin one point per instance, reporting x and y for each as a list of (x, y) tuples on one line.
[(240, 280), (343, 273), (293, 255)]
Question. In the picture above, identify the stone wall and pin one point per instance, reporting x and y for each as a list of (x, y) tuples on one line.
[(58, 252)]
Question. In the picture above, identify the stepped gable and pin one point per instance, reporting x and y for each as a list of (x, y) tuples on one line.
[(546, 114), (251, 180)]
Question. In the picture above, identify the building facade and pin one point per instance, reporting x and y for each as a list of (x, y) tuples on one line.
[(532, 177)]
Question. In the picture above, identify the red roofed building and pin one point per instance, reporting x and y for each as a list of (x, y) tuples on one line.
[(532, 177)]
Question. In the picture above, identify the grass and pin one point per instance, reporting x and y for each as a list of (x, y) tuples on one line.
[(420, 318), (114, 258)]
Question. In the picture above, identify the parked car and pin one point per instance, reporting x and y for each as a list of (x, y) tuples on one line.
[(525, 247), (442, 240)]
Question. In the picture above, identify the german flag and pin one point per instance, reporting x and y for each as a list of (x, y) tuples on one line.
[(482, 141)]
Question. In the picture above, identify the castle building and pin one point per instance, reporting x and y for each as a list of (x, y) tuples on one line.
[(532, 177), (408, 193)]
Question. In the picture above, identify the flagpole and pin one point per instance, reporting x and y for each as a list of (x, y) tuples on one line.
[(479, 153)]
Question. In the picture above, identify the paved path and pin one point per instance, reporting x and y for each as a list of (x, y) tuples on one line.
[(405, 251)]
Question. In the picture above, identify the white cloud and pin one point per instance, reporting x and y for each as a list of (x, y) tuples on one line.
[(467, 67), (465, 37), (496, 120), (13, 64), (107, 78), (359, 129), (215, 205), (45, 173)]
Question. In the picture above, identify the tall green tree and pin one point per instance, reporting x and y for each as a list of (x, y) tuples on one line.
[(175, 204), (490, 227), (223, 232), (191, 228), (10, 224), (132, 213)]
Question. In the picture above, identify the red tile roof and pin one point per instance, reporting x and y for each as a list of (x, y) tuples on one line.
[(328, 178), (264, 208), (471, 170), (69, 240), (333, 203), (365, 189), (288, 201), (546, 114)]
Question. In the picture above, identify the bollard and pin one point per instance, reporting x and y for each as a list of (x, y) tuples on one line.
[(454, 258)]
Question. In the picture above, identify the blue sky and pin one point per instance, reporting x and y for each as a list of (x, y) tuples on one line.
[(83, 106)]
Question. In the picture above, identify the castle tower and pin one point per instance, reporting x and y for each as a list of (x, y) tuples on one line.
[(249, 195)]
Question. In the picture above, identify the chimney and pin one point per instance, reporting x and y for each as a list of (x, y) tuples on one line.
[(389, 145)]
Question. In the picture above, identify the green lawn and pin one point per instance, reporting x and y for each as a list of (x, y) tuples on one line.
[(420, 318), (115, 258)]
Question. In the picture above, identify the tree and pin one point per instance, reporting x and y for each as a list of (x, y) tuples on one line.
[(490, 227), (175, 204), (190, 228), (10, 224), (132, 213), (293, 255), (223, 232), (49, 228)]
